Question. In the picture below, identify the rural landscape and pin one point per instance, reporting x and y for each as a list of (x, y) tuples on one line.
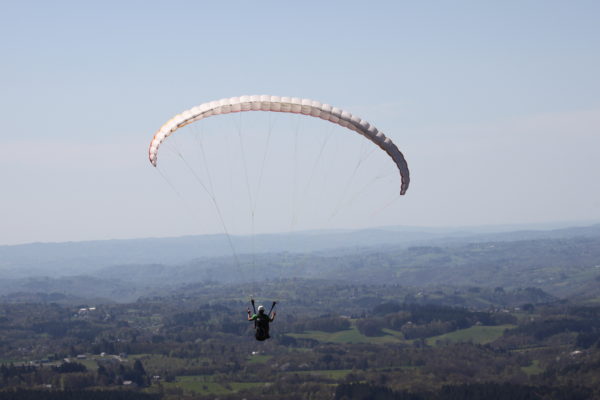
[(457, 317), (310, 200)]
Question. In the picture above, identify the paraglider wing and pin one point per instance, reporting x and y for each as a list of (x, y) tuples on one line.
[(283, 104)]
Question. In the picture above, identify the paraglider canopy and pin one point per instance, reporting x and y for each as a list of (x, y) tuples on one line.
[(287, 105)]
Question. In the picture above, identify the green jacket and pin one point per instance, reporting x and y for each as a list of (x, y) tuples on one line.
[(261, 319)]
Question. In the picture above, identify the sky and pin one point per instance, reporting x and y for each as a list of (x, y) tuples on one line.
[(496, 106)]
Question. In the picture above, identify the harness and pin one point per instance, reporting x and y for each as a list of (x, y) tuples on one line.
[(261, 323)]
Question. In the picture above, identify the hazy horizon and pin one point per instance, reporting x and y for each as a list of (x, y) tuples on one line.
[(475, 229)]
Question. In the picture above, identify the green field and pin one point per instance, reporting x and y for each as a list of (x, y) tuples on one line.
[(154, 364), (336, 374), (11, 360), (259, 359), (593, 301), (533, 369), (90, 364), (351, 335), (204, 384), (475, 334)]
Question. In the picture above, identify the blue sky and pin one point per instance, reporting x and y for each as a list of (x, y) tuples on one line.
[(496, 106)]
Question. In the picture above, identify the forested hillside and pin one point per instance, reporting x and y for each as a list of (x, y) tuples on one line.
[(568, 266), (450, 319), (329, 340)]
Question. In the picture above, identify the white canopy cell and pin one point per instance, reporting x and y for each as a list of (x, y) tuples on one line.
[(283, 104)]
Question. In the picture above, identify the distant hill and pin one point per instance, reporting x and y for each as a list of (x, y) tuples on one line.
[(77, 258), (562, 262)]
